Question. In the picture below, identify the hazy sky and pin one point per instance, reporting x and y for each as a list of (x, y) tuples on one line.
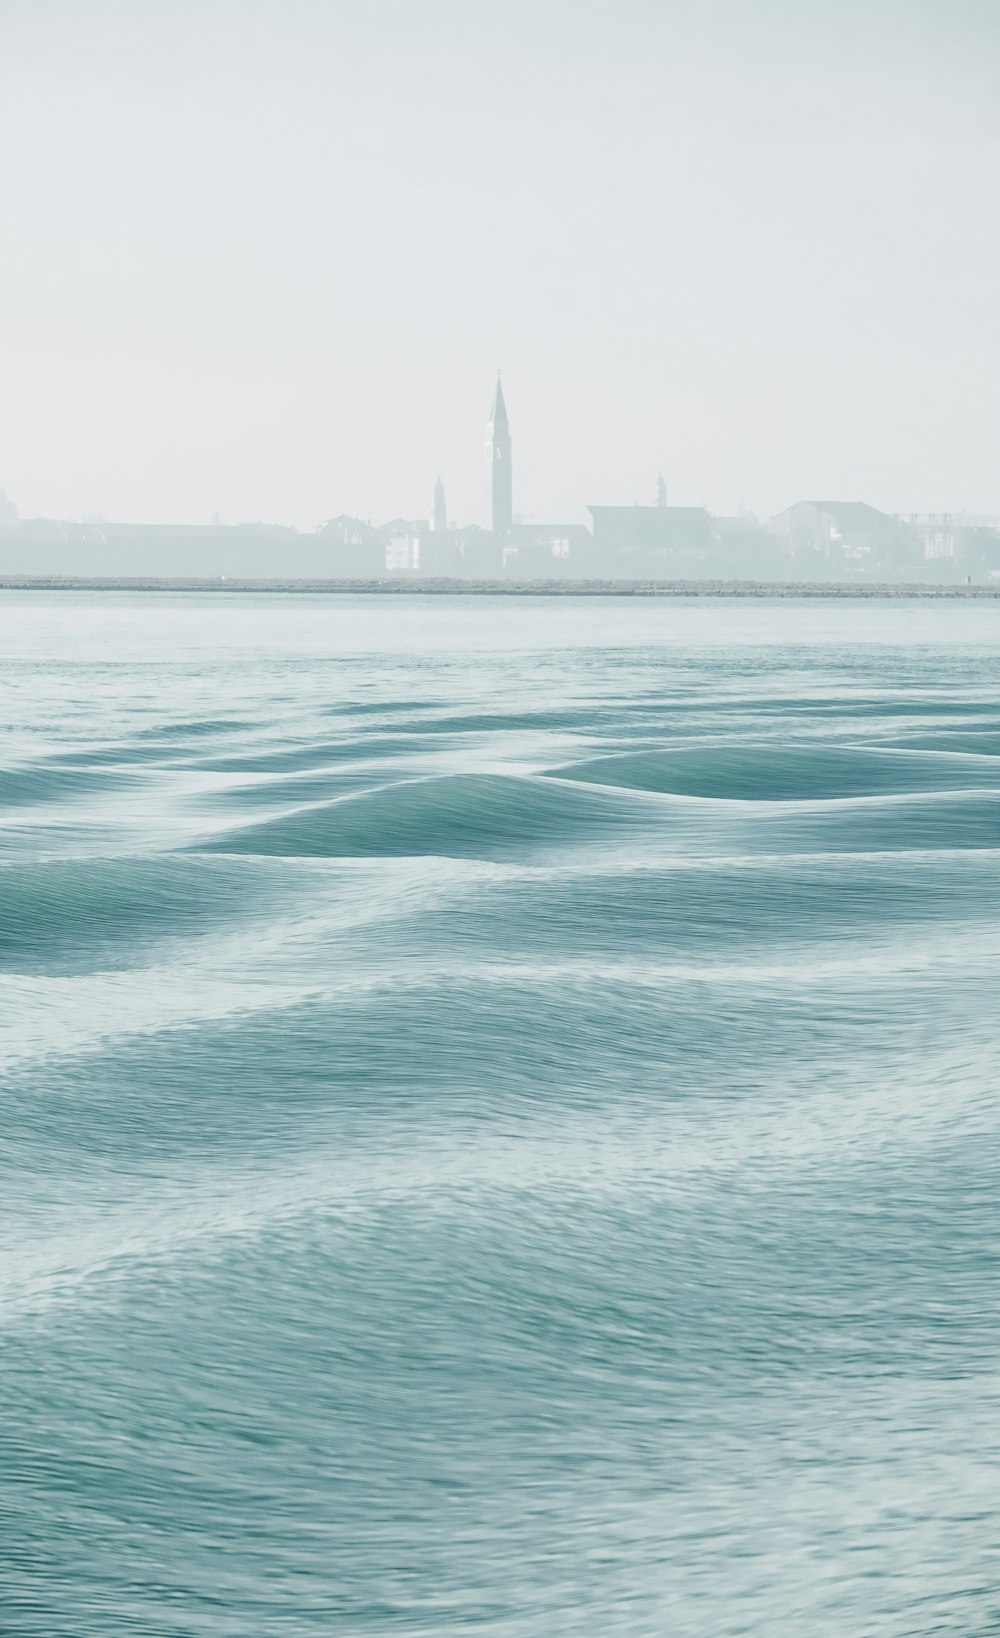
[(264, 258)]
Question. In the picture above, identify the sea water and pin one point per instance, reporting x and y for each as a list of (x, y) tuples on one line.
[(500, 1121)]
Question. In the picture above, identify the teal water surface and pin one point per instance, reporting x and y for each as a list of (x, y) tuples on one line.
[(500, 1117)]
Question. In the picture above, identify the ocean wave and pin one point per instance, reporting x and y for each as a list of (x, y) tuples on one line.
[(123, 754), (771, 773), (486, 816), (46, 782), (198, 728), (314, 755), (73, 915), (265, 792), (718, 909), (977, 742), (440, 1194)]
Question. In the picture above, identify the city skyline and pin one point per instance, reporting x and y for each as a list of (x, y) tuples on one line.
[(499, 512), (753, 246), (808, 539)]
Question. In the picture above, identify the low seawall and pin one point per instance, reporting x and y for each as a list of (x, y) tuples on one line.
[(498, 588)]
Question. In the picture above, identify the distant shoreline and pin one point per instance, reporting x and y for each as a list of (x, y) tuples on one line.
[(498, 588)]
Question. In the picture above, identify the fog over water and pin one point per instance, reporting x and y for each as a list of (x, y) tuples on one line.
[(264, 259)]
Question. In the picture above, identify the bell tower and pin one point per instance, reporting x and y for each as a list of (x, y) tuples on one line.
[(498, 465), (439, 514)]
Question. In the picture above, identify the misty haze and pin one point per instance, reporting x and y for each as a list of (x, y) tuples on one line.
[(738, 263), (499, 818)]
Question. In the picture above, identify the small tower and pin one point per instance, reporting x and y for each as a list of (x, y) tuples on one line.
[(439, 516), (498, 465), (661, 491)]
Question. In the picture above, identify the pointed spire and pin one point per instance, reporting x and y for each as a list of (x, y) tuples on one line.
[(439, 514), (498, 463), (498, 414)]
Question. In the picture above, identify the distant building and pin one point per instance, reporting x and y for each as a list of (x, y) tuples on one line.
[(546, 551), (956, 543), (737, 527), (402, 550), (201, 551), (939, 534), (657, 531), (481, 554), (498, 465), (849, 533), (561, 539), (747, 550), (979, 550), (352, 548), (347, 531), (661, 490), (8, 511), (441, 554)]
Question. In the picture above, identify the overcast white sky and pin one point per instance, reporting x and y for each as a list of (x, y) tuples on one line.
[(264, 258)]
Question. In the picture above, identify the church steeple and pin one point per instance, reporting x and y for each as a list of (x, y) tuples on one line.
[(439, 515), (498, 414), (498, 461)]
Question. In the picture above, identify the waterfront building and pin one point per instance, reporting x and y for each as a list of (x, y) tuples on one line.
[(939, 534), (850, 533), (655, 541), (481, 554), (402, 550), (351, 547), (546, 551), (624, 529), (955, 542)]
